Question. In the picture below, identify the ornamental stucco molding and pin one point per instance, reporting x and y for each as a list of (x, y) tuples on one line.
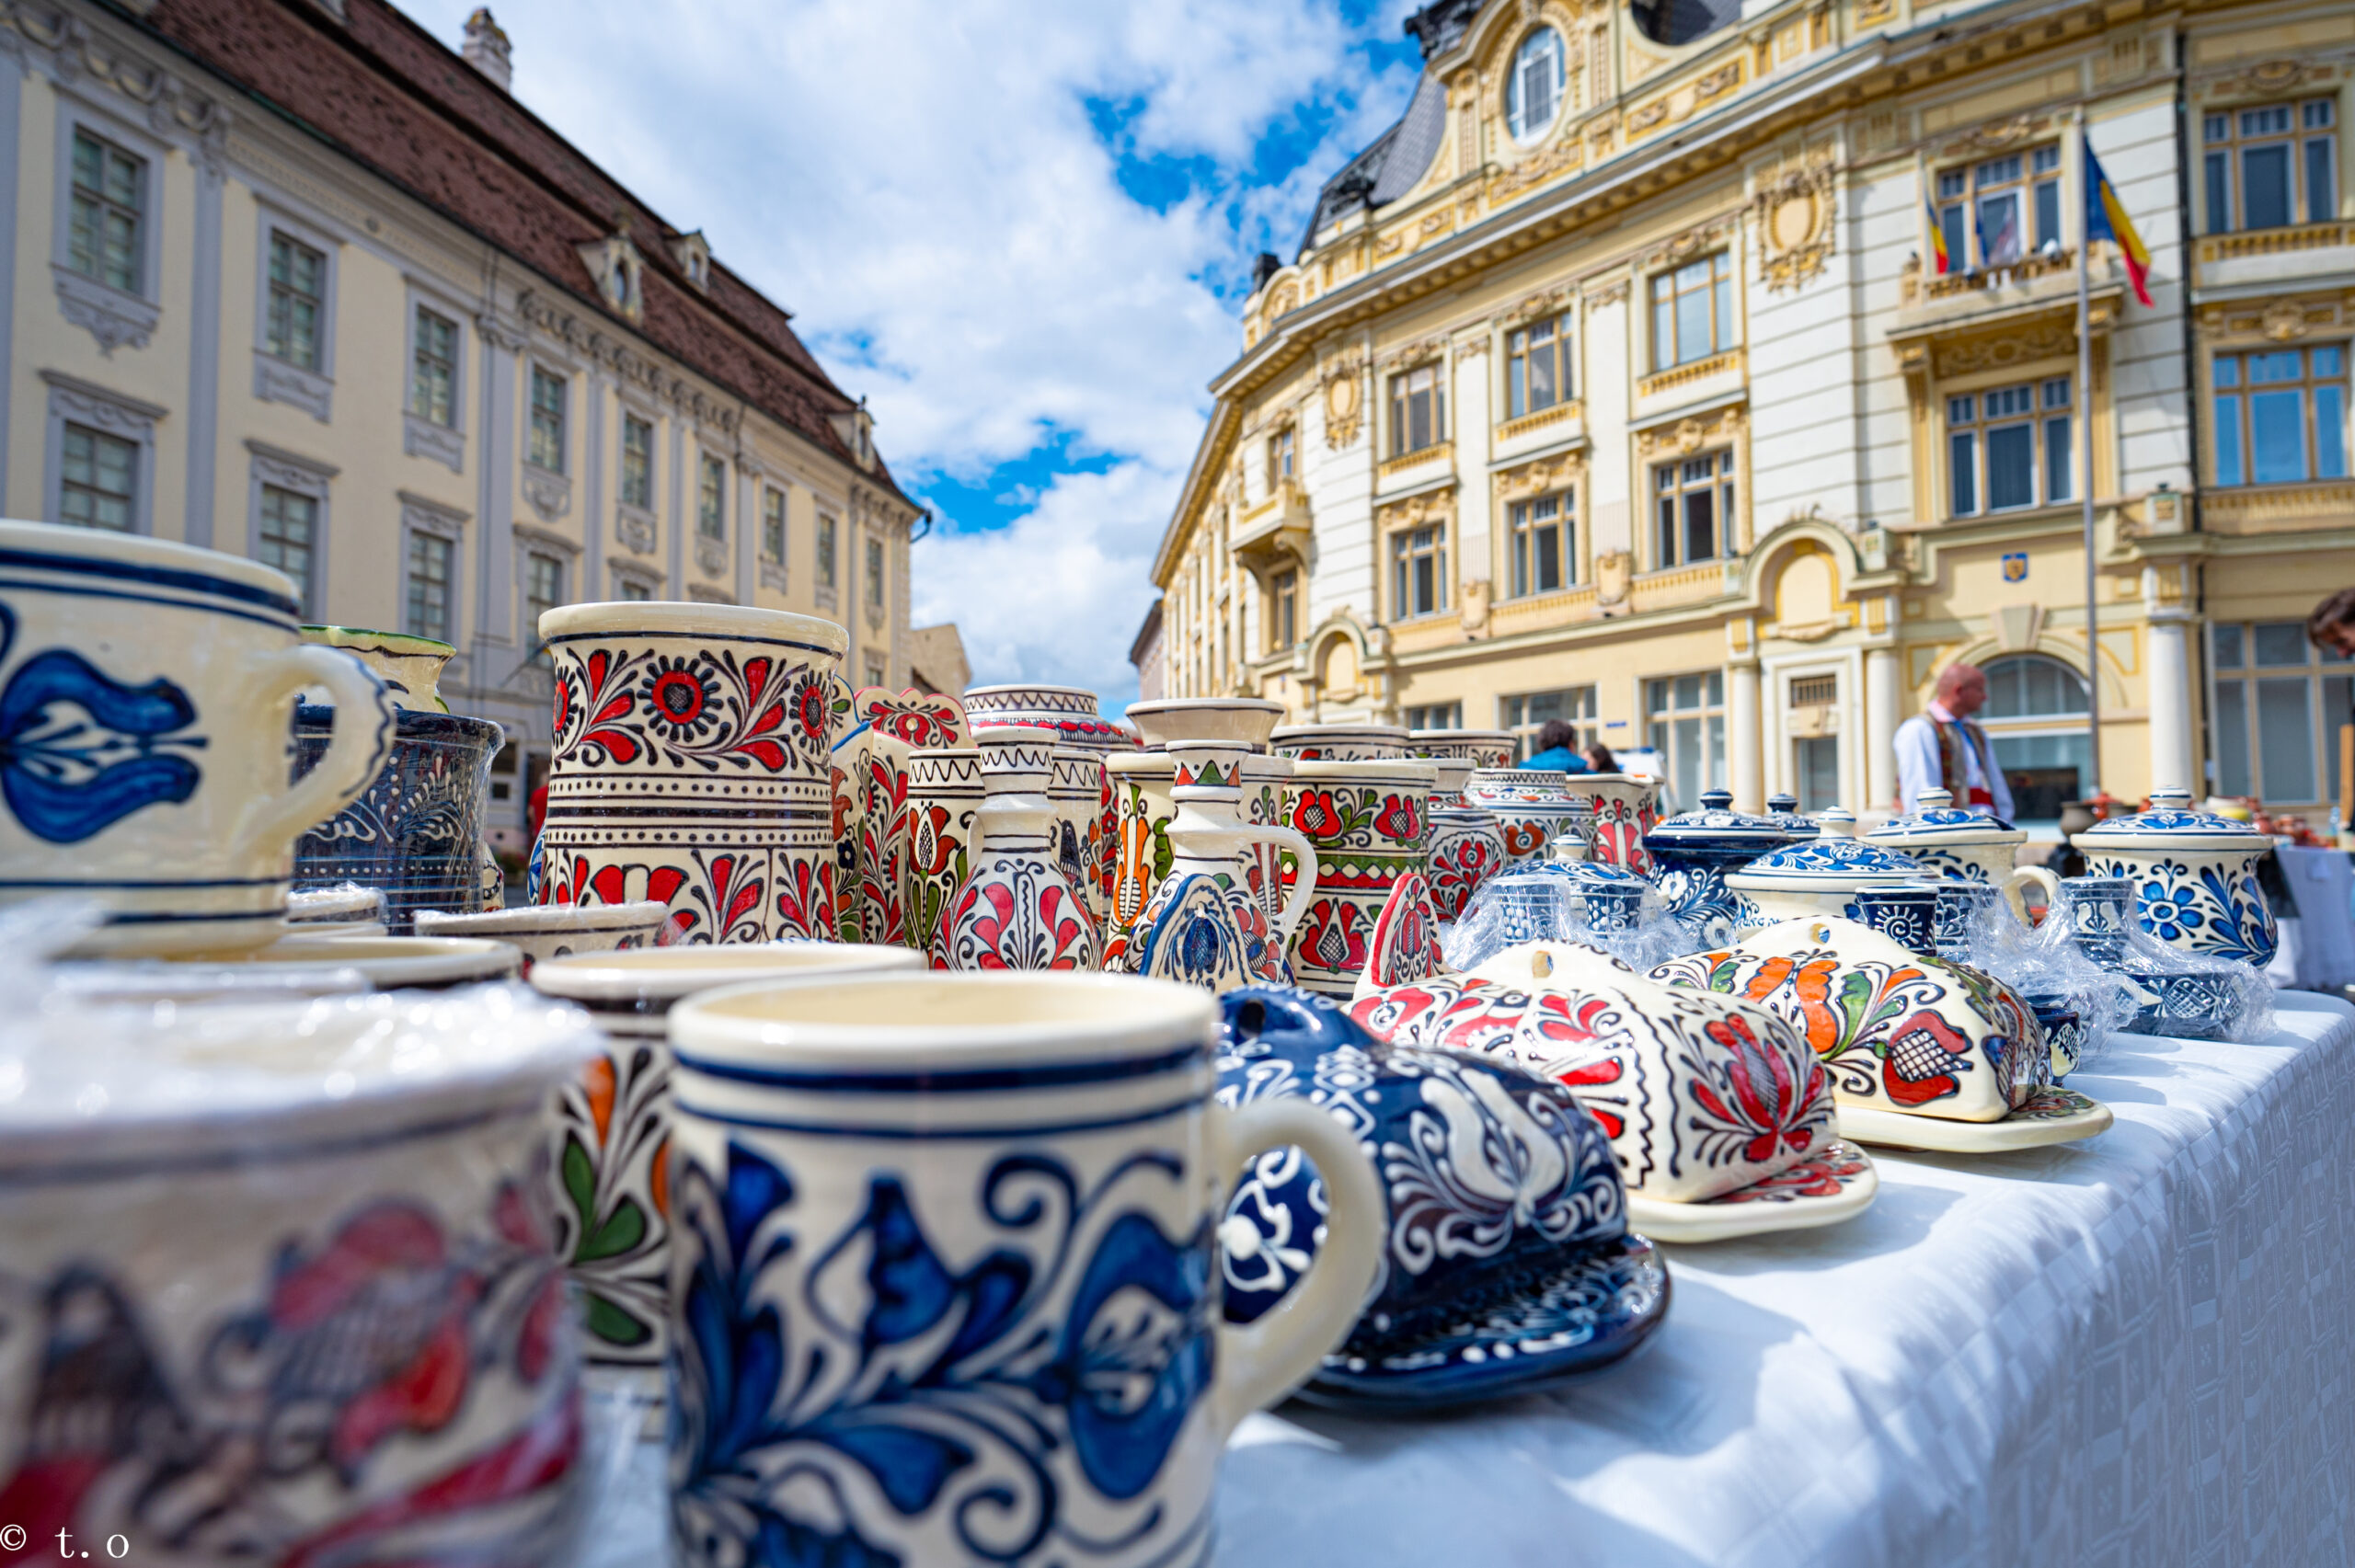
[(109, 315), (1793, 214), (592, 343), (69, 51)]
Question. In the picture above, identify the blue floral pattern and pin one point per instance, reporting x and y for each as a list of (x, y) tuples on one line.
[(2197, 902), (80, 750)]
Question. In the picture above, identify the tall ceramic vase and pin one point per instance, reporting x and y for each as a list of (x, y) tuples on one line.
[(1215, 878), (1369, 824), (1467, 843), (945, 796), (1016, 909), (1626, 808), (691, 766)]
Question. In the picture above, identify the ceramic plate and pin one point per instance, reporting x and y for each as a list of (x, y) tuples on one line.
[(1603, 1306), (2051, 1116), (1837, 1184)]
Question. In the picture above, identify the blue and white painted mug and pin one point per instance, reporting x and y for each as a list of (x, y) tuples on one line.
[(146, 691), (945, 1264)]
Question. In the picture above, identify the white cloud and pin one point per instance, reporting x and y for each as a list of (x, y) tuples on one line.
[(921, 183)]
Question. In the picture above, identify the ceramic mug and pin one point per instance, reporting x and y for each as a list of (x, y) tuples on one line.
[(556, 931), (945, 794), (692, 766), (945, 1253), (144, 692), (416, 831), (1370, 826), (611, 1131)]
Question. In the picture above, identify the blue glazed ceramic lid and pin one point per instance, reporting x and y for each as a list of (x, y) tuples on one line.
[(1826, 865), (1941, 822), (1718, 822), (2171, 823)]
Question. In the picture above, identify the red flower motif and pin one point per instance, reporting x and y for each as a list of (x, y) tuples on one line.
[(1398, 820), (1316, 815), (1766, 1097), (810, 708), (1329, 937), (1595, 1074), (1921, 1053)]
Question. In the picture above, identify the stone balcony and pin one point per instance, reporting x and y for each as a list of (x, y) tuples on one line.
[(2261, 258), (2028, 286), (2279, 509), (1277, 528)]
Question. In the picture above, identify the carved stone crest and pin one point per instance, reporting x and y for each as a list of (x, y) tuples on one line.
[(1344, 401), (1794, 213), (1613, 569), (2285, 319), (1472, 613), (1687, 436)]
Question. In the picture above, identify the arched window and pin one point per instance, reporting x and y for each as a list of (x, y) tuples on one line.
[(2030, 685), (2036, 717), (1533, 91)]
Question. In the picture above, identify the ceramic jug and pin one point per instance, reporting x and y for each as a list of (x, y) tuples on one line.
[(1626, 808), (692, 765), (1016, 909), (1369, 824), (1185, 935), (1967, 845), (1077, 788), (1692, 853), (416, 831), (945, 795), (876, 733), (1531, 806), (2194, 875), (1142, 853), (1467, 843)]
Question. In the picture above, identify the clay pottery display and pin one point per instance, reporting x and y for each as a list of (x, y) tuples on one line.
[(1369, 824), (298, 1259), (1966, 845), (1481, 748), (1692, 853), (554, 930), (1467, 843), (410, 667), (2194, 875), (1078, 787), (1010, 1232), (1070, 711), (1141, 853), (692, 767), (416, 831), (1340, 742), (1532, 806), (1626, 808), (610, 1135), (874, 747), (1815, 876), (1016, 909), (144, 692), (1210, 840), (945, 797)]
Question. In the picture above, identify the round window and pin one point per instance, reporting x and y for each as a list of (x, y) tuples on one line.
[(1533, 91)]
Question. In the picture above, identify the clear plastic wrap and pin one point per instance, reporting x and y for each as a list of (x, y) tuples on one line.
[(1551, 901)]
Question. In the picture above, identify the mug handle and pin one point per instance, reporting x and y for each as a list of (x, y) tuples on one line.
[(1261, 1362), (356, 750), (2022, 877), (1304, 885)]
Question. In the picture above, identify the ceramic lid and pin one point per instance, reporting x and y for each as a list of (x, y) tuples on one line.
[(1941, 822), (2172, 823), (1784, 808), (1823, 865), (1716, 822)]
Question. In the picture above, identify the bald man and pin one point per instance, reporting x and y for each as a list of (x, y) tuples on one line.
[(1942, 748)]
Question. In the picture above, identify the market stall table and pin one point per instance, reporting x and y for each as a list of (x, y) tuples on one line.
[(2127, 1351)]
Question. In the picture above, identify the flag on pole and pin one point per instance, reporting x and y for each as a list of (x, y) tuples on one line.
[(1938, 242), (2106, 219)]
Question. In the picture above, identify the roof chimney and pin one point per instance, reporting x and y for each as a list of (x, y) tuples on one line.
[(486, 48)]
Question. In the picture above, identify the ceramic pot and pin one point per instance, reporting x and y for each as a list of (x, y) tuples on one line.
[(300, 1260), (2194, 875), (945, 796), (1070, 711), (1626, 808), (1011, 1228), (382, 963), (416, 831), (144, 690), (1141, 853), (2100, 911), (1692, 853), (1016, 909), (692, 766), (1907, 914), (873, 750), (610, 1135), (2065, 1030), (1532, 806), (1784, 810), (1815, 876), (1967, 845), (1467, 843), (1369, 824), (1077, 787), (554, 930), (1609, 898), (2184, 997), (410, 667), (1481, 748), (1209, 839), (1340, 742)]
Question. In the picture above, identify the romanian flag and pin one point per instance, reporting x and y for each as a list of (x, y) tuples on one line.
[(2106, 219), (1938, 242)]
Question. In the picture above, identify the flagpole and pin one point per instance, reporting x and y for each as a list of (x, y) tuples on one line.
[(2085, 401)]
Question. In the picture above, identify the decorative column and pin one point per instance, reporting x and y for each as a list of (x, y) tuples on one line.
[(1745, 754), (2168, 702), (203, 357), (503, 370), (597, 513), (1880, 727)]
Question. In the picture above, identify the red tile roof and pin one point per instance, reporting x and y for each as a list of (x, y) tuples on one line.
[(385, 92)]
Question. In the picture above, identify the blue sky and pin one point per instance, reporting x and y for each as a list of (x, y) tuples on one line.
[(1023, 231)]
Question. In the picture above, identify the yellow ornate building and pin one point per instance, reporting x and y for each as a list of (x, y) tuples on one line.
[(1619, 382), (297, 280)]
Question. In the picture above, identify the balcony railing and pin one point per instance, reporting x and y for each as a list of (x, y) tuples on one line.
[(1437, 452), (1514, 429), (2275, 241), (1699, 370)]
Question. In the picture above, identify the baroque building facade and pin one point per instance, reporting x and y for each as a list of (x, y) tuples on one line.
[(1620, 383), (298, 281)]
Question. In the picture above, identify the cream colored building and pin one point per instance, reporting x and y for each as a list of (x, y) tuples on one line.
[(1615, 383), (299, 282)]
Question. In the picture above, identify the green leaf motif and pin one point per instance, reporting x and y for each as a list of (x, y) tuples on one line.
[(579, 1180), (624, 1229), (614, 1326)]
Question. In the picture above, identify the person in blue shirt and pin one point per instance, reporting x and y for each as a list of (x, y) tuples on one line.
[(1558, 748)]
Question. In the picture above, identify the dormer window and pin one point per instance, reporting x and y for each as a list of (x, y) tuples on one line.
[(1533, 91), (693, 254), (619, 272)]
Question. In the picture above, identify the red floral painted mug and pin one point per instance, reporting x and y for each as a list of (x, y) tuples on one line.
[(1370, 825)]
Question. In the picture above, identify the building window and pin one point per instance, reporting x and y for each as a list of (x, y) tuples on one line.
[(2009, 447), (2276, 711), (285, 540), (631, 588), (2271, 167), (1436, 716), (1814, 691), (1693, 312), (1417, 410), (2281, 416), (433, 369), (1537, 366), (878, 574), (773, 526), (543, 591), (2035, 717), (1992, 213), (547, 420), (1535, 89), (109, 209), (877, 675), (1541, 544), (1284, 611), (826, 553), (1693, 501), (298, 291), (431, 559), (1418, 571), (1687, 716), (638, 463), (1282, 455), (99, 488), (711, 498), (1530, 712), (1816, 760)]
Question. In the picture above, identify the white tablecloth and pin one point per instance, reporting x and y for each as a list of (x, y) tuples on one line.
[(2129, 1352)]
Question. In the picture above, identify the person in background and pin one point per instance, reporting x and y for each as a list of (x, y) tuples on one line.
[(1941, 749), (1599, 757), (2332, 626), (1556, 749)]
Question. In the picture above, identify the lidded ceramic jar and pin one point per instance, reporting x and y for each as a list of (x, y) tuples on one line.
[(1692, 853), (1467, 843), (2194, 875), (1341, 742), (1481, 748), (1532, 806), (1815, 876), (1070, 711), (1785, 809), (1963, 844)]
